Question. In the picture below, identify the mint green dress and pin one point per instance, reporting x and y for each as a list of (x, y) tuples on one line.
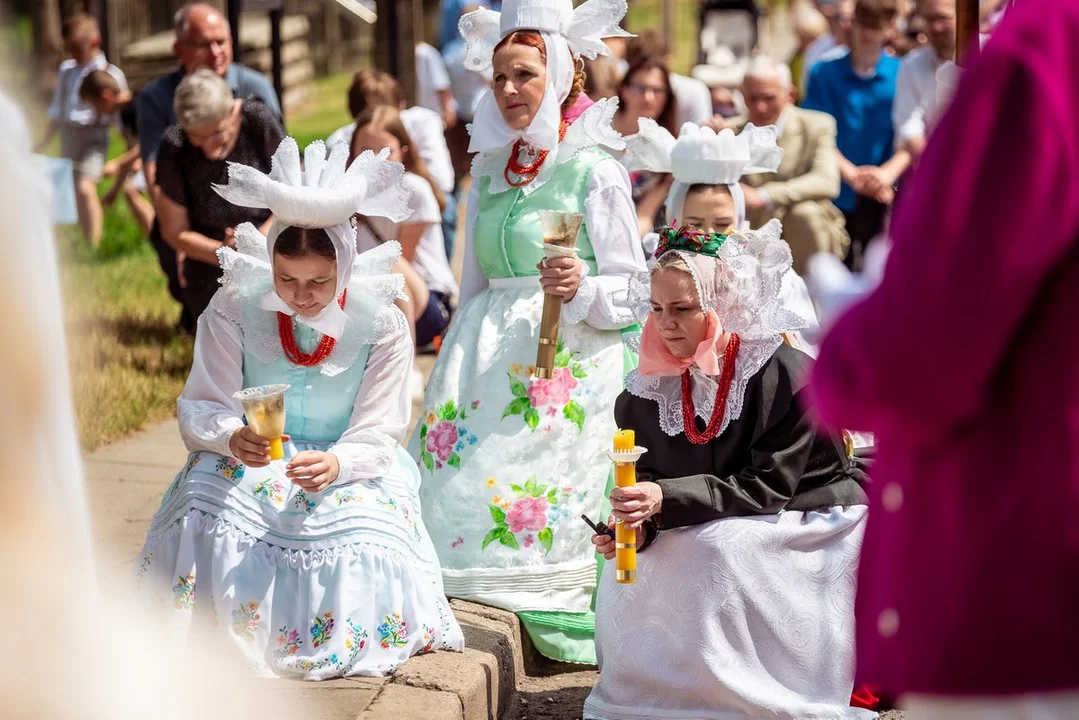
[(510, 462)]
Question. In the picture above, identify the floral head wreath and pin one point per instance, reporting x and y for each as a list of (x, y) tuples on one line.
[(689, 239)]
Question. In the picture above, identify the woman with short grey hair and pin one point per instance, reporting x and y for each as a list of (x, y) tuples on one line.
[(212, 129)]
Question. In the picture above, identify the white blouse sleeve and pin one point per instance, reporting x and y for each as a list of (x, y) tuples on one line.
[(602, 301), (208, 413), (473, 281), (380, 415)]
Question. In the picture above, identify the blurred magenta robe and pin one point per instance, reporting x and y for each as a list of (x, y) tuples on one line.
[(965, 362)]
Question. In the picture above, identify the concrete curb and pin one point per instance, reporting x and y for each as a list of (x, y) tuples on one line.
[(478, 684)]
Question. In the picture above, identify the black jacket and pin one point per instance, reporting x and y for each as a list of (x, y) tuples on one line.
[(771, 458)]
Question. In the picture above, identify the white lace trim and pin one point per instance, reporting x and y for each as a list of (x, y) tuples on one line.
[(578, 309), (204, 523), (591, 129), (373, 318), (666, 391)]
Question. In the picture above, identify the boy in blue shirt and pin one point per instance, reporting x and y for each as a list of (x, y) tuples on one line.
[(858, 89)]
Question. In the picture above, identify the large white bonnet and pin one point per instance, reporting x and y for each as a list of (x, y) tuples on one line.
[(566, 32), (320, 193)]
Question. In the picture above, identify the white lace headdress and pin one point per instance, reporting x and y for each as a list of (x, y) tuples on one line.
[(320, 193), (700, 155), (743, 285), (566, 32)]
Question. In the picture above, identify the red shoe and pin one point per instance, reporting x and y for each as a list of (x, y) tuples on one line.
[(865, 697)]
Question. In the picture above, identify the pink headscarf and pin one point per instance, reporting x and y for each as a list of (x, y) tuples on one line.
[(656, 359)]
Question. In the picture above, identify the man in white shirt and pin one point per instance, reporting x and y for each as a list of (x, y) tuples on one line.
[(915, 106)]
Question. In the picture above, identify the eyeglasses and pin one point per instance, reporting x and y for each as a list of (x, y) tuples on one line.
[(646, 89)]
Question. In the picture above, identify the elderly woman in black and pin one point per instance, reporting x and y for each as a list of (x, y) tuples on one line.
[(749, 520), (213, 130)]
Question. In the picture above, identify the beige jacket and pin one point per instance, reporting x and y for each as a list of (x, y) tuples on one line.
[(810, 167)]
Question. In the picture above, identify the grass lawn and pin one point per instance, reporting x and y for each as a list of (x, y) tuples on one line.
[(649, 14)]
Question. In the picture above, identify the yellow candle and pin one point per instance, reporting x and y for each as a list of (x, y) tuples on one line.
[(625, 540), (277, 449)]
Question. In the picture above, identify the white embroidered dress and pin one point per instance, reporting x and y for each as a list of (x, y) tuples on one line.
[(510, 461), (302, 584)]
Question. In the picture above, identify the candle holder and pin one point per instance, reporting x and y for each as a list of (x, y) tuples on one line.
[(264, 408), (625, 455), (560, 231)]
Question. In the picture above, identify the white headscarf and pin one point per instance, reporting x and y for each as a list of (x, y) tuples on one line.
[(566, 32), (700, 155), (320, 194)]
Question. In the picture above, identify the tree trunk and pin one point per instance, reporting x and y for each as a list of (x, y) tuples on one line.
[(45, 23)]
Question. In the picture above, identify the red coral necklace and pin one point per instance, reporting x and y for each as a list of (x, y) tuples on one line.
[(689, 413), (528, 173), (292, 351)]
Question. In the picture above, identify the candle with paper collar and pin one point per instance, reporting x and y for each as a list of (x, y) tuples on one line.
[(264, 408), (625, 540), (559, 240)]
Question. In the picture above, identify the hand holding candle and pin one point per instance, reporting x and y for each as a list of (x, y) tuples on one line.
[(559, 240), (625, 455), (264, 408)]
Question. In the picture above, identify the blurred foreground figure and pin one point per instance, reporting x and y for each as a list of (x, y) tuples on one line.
[(963, 362), (89, 654)]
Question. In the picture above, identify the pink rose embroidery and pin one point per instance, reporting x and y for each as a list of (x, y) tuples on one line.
[(527, 514), (554, 391), (441, 439)]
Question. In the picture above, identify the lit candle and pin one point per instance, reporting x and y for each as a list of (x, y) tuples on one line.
[(625, 540)]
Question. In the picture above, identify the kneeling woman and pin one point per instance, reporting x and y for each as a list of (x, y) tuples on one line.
[(750, 521), (318, 565)]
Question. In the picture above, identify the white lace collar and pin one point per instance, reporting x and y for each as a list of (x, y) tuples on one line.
[(591, 129), (371, 316), (666, 391)]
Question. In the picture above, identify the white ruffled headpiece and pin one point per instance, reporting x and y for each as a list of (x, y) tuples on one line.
[(566, 32), (700, 155), (321, 193)]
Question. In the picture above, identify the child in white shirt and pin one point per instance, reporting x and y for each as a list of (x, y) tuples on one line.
[(430, 283), (84, 135)]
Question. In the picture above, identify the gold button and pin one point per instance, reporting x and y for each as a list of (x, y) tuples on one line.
[(892, 497), (888, 623)]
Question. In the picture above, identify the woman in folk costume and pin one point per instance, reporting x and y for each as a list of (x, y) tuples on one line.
[(741, 504), (509, 461), (706, 194), (318, 565)]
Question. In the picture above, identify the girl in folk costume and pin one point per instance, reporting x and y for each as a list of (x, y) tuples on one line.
[(706, 194), (510, 460), (741, 503), (319, 565)]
